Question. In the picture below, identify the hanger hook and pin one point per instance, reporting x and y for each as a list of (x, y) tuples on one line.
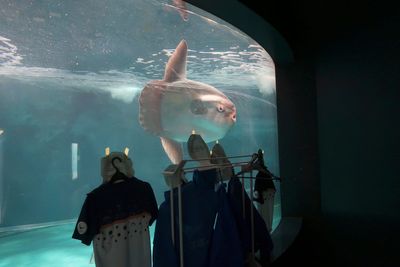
[(113, 164)]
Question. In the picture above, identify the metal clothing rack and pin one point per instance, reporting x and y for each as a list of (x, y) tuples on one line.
[(247, 167), (234, 164)]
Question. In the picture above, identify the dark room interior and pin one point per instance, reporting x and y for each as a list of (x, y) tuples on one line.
[(338, 124), (311, 86)]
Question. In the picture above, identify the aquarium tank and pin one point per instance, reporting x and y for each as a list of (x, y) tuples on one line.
[(71, 75)]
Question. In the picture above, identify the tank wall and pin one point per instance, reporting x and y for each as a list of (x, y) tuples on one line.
[(68, 77)]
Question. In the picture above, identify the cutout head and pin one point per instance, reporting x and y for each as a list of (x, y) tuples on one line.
[(174, 175), (218, 156), (198, 149)]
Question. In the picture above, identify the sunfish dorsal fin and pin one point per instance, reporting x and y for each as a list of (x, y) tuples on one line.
[(176, 66), (173, 149)]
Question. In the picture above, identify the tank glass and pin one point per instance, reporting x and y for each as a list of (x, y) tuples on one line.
[(71, 74)]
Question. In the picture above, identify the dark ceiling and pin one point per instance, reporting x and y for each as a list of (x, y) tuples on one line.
[(308, 24)]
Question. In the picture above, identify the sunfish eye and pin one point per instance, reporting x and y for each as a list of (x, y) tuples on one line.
[(220, 108)]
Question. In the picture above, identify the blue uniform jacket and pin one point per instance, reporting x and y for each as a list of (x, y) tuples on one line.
[(226, 248), (199, 208)]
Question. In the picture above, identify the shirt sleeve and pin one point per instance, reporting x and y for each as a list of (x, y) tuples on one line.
[(152, 204), (85, 228)]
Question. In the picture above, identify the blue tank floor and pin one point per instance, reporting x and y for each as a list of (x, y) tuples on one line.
[(53, 246)]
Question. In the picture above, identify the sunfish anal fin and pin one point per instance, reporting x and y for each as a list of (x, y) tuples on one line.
[(173, 149), (176, 66)]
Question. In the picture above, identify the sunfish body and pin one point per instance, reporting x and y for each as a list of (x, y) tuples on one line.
[(175, 106)]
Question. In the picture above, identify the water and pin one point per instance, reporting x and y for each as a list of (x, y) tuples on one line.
[(70, 75)]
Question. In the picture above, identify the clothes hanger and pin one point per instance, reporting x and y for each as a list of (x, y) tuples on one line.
[(118, 176), (107, 170), (257, 164)]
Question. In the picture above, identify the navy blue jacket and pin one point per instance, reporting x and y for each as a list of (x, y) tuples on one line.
[(203, 245), (199, 208), (262, 238), (226, 248)]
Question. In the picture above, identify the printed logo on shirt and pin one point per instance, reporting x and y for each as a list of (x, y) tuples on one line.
[(82, 227)]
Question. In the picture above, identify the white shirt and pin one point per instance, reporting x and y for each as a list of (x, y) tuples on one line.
[(124, 243)]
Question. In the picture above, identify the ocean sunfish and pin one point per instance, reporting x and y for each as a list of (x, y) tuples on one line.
[(175, 106)]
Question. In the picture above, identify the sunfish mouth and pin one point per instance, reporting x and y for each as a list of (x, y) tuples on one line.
[(234, 116)]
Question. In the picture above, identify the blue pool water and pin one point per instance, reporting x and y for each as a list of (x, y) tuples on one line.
[(70, 77)]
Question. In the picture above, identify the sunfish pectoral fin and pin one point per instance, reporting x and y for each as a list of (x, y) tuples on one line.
[(149, 107), (173, 149), (176, 66)]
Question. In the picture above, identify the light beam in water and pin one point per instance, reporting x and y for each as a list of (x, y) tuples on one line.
[(74, 158)]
